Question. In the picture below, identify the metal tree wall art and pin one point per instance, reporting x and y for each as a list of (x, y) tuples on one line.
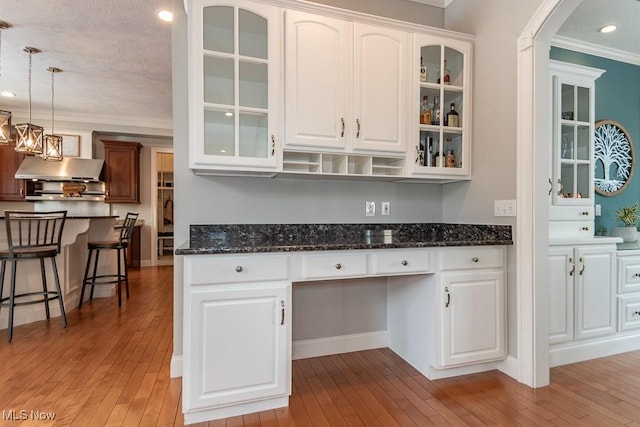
[(613, 157)]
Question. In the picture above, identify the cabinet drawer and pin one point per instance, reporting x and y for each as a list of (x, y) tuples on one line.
[(334, 265), (559, 229), (401, 261), (201, 270), (471, 257), (628, 313), (571, 213), (629, 275)]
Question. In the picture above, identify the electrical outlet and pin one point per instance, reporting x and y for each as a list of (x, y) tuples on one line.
[(370, 208), (598, 210), (385, 208), (505, 207)]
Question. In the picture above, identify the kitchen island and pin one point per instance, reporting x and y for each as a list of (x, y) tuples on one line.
[(71, 261), (444, 307)]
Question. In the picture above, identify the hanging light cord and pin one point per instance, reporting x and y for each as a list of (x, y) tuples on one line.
[(30, 54), (53, 73)]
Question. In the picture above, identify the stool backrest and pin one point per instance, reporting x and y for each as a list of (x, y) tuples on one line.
[(127, 227), (27, 229)]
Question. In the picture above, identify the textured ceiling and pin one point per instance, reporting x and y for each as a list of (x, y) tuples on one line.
[(115, 56), (584, 22)]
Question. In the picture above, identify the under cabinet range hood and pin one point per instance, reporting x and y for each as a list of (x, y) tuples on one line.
[(67, 169)]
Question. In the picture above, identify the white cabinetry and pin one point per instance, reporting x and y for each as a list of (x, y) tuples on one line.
[(432, 142), (571, 185), (582, 299), (237, 336), (472, 306), (234, 83), (345, 84), (628, 291)]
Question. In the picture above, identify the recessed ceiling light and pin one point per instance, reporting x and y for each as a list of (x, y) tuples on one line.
[(607, 29), (165, 15), (7, 94)]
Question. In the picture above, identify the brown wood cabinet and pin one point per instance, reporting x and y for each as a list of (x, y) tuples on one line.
[(122, 171), (11, 189)]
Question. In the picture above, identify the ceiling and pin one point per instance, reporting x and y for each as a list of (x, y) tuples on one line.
[(584, 22), (116, 55)]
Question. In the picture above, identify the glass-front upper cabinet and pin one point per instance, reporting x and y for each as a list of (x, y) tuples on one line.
[(573, 127), (235, 67), (442, 107)]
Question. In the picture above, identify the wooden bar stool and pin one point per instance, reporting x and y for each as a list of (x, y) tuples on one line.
[(32, 235), (120, 246)]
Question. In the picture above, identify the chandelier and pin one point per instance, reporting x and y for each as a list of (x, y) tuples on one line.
[(52, 143), (29, 135)]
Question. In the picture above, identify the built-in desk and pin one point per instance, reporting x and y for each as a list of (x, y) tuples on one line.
[(445, 310)]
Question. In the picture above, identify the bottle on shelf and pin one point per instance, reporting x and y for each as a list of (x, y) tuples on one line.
[(453, 117), (423, 71), (450, 159), (429, 151), (446, 79), (425, 111), (435, 111)]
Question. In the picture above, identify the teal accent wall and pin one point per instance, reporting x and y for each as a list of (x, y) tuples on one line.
[(617, 98)]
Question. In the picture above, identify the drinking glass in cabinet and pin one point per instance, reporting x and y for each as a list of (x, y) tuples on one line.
[(566, 142)]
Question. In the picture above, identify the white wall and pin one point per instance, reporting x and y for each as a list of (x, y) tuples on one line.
[(217, 200), (497, 25)]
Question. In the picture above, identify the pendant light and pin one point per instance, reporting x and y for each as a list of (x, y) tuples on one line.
[(29, 135), (5, 116), (52, 143)]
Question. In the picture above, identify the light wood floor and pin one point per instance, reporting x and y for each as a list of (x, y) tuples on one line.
[(111, 367)]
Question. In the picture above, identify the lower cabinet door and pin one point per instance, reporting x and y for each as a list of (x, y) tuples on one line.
[(472, 328), (562, 270), (237, 344)]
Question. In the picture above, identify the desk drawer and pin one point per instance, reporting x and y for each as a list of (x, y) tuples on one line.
[(471, 257), (334, 265), (203, 269), (401, 262)]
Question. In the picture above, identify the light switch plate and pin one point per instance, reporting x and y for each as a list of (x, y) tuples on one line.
[(385, 208), (505, 207)]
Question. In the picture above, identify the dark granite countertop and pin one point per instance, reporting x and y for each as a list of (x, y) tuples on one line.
[(254, 238)]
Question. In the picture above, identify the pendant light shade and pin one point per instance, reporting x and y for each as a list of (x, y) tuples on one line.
[(30, 136), (5, 127), (52, 142)]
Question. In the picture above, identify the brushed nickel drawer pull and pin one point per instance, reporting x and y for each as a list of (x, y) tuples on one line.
[(404, 262), (239, 269), (475, 259), (282, 313), (338, 266), (448, 297)]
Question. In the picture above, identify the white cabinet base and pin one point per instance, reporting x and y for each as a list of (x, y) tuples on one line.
[(581, 351), (235, 410)]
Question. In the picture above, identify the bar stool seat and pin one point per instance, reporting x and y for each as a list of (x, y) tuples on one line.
[(122, 274), (32, 235)]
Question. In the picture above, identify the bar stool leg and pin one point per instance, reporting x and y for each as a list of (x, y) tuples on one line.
[(45, 291), (2, 270), (119, 281), (95, 271), (126, 271), (60, 301), (12, 291), (84, 280)]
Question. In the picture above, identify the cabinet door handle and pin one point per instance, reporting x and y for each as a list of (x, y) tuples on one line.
[(273, 145), (636, 275), (636, 313), (22, 192), (358, 128), (342, 131), (475, 259), (573, 267), (239, 269), (582, 263), (404, 262), (550, 186), (446, 304), (338, 266), (585, 228), (584, 213), (282, 313)]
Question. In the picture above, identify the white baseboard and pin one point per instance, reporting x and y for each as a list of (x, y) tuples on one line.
[(581, 351), (175, 370), (340, 344), (436, 374), (510, 366), (193, 417)]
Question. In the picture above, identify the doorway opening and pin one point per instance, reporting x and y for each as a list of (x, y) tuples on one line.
[(162, 228)]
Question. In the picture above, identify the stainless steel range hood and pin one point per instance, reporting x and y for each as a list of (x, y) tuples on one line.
[(68, 169)]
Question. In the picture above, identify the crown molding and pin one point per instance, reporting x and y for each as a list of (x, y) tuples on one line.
[(438, 3), (596, 50)]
